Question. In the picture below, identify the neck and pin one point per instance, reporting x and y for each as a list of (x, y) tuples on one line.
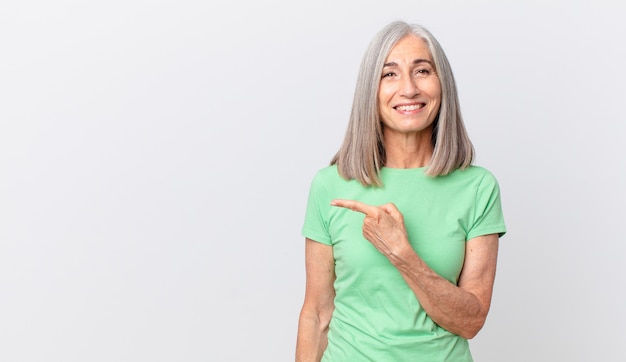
[(408, 151)]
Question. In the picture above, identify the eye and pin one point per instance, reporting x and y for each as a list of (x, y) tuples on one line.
[(422, 72), (388, 75)]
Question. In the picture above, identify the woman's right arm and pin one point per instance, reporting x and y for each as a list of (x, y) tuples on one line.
[(318, 302)]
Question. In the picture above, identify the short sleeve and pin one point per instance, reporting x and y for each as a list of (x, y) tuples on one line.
[(488, 217), (316, 217)]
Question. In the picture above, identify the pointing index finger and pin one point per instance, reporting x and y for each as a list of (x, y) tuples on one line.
[(355, 206)]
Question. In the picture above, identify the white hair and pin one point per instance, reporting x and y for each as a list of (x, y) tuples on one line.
[(362, 153)]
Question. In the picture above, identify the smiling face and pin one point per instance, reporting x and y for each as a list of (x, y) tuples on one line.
[(410, 94)]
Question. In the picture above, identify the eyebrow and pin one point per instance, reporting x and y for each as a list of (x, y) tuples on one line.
[(416, 61)]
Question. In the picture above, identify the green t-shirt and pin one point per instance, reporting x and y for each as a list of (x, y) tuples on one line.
[(377, 317)]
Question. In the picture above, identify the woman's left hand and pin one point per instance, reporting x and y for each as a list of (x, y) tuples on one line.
[(383, 225)]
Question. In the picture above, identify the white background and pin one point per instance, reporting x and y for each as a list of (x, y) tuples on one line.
[(155, 159)]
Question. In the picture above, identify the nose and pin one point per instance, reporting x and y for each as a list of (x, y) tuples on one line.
[(409, 87)]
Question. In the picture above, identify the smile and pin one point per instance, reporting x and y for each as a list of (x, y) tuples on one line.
[(410, 107)]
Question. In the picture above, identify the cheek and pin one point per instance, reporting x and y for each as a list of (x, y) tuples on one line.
[(384, 94), (437, 92), (436, 98), (434, 90)]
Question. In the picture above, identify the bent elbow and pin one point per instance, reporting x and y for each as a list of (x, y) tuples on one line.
[(470, 330), (469, 334)]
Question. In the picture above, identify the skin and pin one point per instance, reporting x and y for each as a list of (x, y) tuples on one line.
[(318, 302), (461, 309), (408, 79)]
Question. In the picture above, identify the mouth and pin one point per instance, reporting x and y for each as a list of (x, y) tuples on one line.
[(409, 107)]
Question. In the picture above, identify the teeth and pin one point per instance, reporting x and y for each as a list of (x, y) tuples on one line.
[(409, 108)]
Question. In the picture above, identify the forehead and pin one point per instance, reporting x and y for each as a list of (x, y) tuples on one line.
[(409, 48)]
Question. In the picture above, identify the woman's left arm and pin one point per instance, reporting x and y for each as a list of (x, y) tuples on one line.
[(461, 309)]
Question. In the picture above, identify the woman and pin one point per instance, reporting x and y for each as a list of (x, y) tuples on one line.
[(401, 231)]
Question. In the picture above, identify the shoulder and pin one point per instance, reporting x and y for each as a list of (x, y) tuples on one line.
[(328, 171), (323, 180), (328, 174), (471, 179), (475, 173)]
